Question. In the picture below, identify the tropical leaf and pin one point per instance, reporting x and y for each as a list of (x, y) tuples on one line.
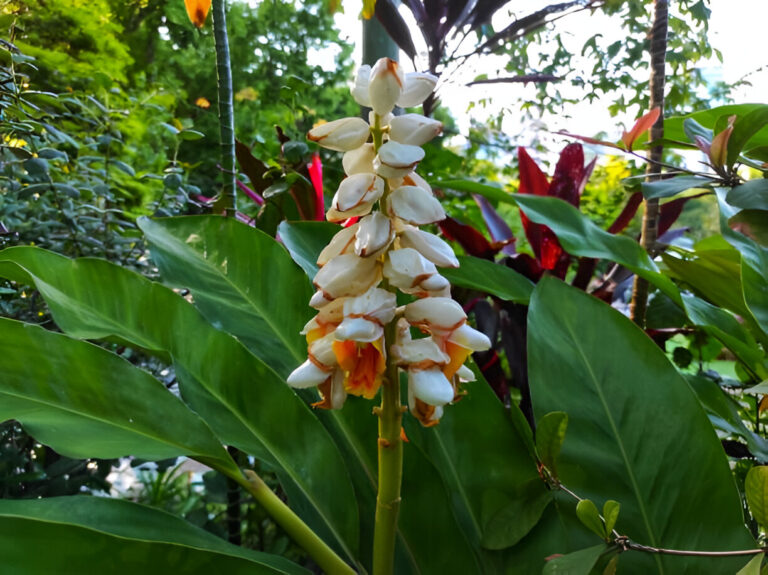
[(244, 401), (86, 402), (83, 534), (242, 281), (636, 432)]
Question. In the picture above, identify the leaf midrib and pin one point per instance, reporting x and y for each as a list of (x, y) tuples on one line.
[(267, 319), (619, 442), (103, 531), (290, 468)]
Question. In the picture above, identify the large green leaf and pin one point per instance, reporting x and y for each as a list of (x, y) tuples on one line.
[(495, 464), (488, 277), (86, 402), (241, 398), (754, 267), (241, 279), (724, 414), (636, 432), (99, 535), (673, 127), (752, 195), (673, 186)]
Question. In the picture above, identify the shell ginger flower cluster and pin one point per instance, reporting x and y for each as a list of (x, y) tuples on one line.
[(358, 328)]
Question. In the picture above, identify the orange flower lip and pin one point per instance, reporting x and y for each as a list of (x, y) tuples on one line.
[(363, 365), (197, 10)]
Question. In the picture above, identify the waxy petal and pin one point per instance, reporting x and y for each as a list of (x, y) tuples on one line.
[(406, 268), (468, 337), (341, 243), (358, 329), (376, 305), (374, 233), (430, 386), (420, 352), (396, 160), (332, 391), (359, 160), (360, 88), (418, 87), (355, 196), (347, 275), (307, 375), (414, 179), (439, 313), (429, 245), (341, 135), (415, 206), (414, 129), (465, 374), (385, 85), (322, 350)]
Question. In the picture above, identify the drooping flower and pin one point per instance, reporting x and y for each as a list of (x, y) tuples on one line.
[(383, 200), (197, 10)]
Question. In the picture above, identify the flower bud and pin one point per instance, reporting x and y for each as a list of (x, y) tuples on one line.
[(396, 160), (428, 245), (355, 196), (359, 160), (431, 386), (359, 329), (414, 129), (307, 375), (385, 85), (414, 179), (415, 206), (360, 89), (373, 235), (347, 275), (341, 135), (441, 313), (407, 269), (469, 338), (341, 243), (418, 87)]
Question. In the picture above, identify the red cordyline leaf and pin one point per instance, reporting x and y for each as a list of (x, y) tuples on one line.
[(315, 169), (626, 215), (642, 125), (473, 242), (568, 179), (532, 181)]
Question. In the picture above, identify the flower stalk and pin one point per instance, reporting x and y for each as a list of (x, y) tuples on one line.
[(390, 458)]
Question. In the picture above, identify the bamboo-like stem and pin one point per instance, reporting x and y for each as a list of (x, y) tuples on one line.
[(323, 555), (390, 447), (227, 201), (650, 231)]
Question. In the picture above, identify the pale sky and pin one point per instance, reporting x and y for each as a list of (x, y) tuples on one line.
[(736, 27)]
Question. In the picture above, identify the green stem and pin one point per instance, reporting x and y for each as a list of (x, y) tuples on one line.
[(323, 555), (227, 201), (390, 465)]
